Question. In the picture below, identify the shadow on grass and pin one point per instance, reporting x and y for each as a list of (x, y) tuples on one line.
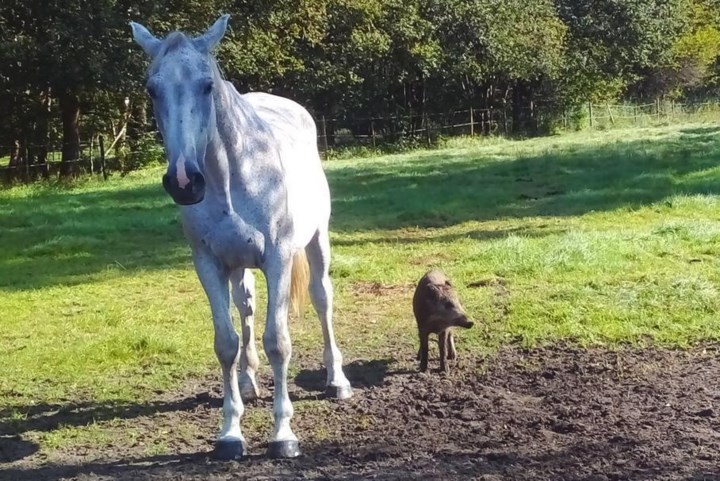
[(537, 231), (442, 189), (64, 238), (49, 417), (13, 448), (361, 374)]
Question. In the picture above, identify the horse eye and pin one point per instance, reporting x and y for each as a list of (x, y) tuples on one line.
[(207, 87)]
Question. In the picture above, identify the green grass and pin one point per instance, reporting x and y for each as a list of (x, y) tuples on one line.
[(602, 238)]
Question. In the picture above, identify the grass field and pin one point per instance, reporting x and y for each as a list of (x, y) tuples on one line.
[(603, 238)]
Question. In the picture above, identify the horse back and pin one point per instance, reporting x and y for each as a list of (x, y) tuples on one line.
[(295, 134)]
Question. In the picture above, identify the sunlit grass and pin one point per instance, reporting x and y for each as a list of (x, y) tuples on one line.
[(601, 238)]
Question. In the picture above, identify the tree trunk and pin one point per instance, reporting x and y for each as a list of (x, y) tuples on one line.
[(41, 133), (70, 114), (523, 108)]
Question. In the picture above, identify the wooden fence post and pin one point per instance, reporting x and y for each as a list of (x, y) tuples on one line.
[(101, 141), (472, 123), (591, 114), (324, 134), (612, 119), (92, 167), (427, 129)]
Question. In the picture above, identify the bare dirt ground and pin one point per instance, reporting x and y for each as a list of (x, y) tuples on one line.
[(543, 414)]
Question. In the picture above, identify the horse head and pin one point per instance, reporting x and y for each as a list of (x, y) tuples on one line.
[(181, 81)]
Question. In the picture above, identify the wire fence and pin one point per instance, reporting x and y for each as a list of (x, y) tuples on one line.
[(26, 162)]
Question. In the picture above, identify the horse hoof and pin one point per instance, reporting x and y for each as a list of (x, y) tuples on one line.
[(230, 450), (339, 392), (283, 449), (248, 394), (249, 390)]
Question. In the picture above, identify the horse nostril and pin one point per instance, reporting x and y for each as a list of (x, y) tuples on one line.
[(166, 182), (197, 180)]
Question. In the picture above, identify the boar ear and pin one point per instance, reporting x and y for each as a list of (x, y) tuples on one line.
[(447, 283), (435, 292)]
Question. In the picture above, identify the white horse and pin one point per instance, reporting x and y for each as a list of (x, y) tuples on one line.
[(246, 172)]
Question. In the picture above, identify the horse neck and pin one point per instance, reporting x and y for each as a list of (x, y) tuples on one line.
[(225, 150)]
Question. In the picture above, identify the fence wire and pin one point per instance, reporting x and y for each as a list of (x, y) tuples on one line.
[(31, 161)]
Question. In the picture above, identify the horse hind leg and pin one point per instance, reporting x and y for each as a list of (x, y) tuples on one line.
[(321, 293), (243, 292)]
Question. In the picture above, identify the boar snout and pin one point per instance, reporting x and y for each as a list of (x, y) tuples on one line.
[(463, 321)]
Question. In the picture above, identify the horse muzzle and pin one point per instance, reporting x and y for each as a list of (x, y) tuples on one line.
[(187, 189)]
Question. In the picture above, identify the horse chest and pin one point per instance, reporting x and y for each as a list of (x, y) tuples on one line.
[(232, 240)]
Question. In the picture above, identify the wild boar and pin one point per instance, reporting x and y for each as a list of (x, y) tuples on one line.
[(437, 310)]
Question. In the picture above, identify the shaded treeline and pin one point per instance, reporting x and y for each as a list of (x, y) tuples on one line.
[(69, 70)]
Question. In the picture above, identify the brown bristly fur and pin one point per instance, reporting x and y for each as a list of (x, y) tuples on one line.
[(299, 283)]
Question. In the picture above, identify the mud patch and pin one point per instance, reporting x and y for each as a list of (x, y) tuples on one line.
[(543, 414)]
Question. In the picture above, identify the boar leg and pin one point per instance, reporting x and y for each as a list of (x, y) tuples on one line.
[(423, 350), (451, 352), (442, 342)]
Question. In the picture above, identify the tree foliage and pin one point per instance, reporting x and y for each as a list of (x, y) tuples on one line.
[(68, 66)]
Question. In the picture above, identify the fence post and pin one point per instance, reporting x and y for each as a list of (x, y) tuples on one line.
[(657, 108), (472, 123), (92, 167), (101, 141), (324, 134), (427, 129), (27, 160), (591, 114), (612, 119)]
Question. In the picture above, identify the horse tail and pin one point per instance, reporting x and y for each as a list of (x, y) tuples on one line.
[(299, 282)]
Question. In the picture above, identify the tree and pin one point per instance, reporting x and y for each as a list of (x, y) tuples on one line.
[(613, 43)]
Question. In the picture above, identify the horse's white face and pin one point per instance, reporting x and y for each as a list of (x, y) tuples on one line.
[(180, 84)]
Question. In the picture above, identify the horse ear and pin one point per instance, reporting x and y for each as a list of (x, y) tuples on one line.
[(209, 40), (145, 39)]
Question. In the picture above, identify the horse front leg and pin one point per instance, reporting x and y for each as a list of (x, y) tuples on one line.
[(321, 293), (278, 348), (243, 291), (214, 279)]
